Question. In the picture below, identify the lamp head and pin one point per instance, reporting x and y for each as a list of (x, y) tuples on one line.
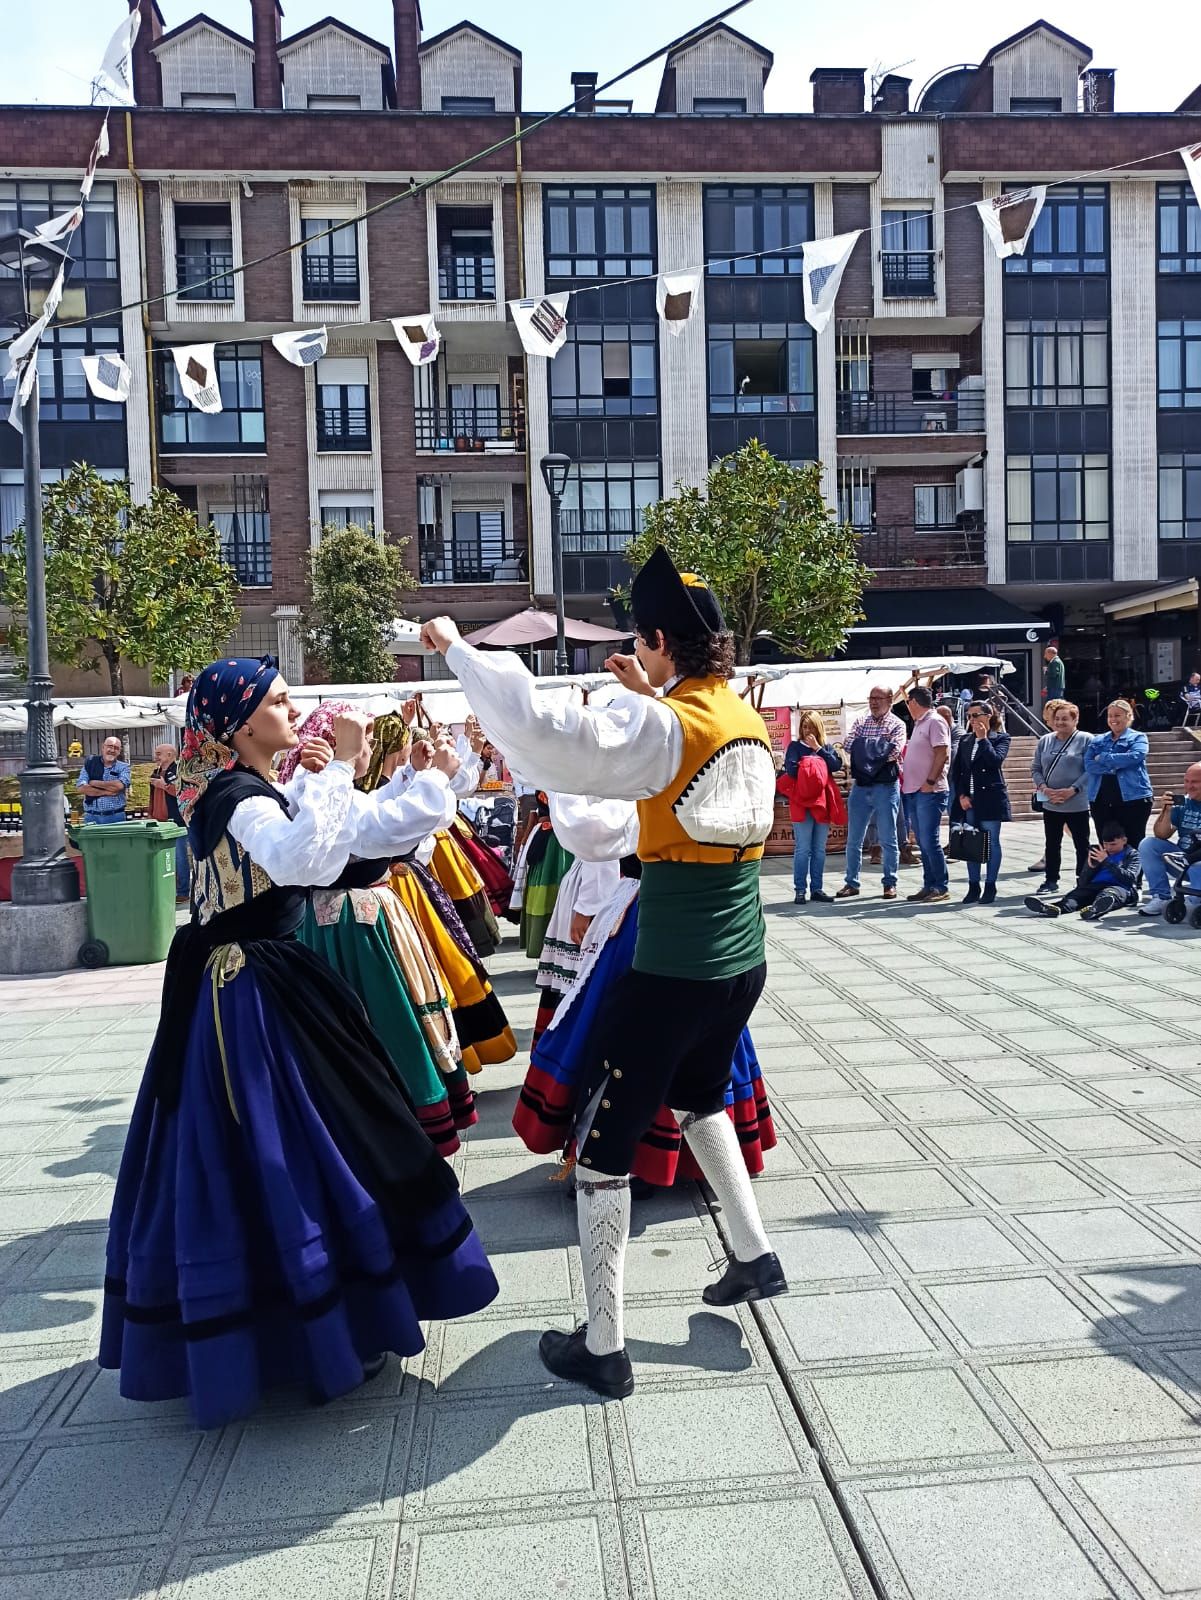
[(555, 469)]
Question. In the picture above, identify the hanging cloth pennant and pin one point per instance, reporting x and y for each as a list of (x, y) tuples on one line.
[(115, 77), (56, 228), (1191, 156), (418, 337), (197, 370), (303, 347), (26, 342), (99, 150), (541, 324), (108, 377), (824, 263), (676, 297), (1009, 218)]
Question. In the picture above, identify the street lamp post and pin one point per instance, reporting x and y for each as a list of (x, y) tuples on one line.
[(45, 875), (554, 474)]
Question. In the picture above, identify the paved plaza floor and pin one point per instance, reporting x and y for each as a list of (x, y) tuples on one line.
[(984, 1384)]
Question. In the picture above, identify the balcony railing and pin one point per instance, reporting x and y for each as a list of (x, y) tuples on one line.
[(498, 559), (339, 429), (330, 277), (196, 265), (893, 548), (899, 411), (486, 430), (908, 274), (467, 278)]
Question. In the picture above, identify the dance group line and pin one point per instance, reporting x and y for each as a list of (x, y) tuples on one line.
[(285, 1212)]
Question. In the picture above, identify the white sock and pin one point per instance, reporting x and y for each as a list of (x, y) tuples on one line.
[(714, 1143), (603, 1211)]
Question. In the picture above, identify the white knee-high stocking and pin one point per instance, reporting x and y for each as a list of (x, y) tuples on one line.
[(714, 1143), (603, 1212)]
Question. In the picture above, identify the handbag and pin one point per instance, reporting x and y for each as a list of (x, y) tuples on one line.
[(968, 844), (1035, 803)]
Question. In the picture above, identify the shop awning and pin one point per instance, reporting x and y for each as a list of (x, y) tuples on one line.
[(1168, 597), (946, 611)]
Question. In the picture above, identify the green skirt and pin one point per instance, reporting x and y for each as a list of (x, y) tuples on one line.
[(541, 892)]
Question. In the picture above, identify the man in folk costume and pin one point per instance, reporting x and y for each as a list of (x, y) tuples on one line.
[(696, 760)]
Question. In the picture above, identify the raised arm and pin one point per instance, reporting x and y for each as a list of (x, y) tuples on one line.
[(313, 845), (391, 822)]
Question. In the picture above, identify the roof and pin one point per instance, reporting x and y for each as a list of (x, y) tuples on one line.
[(719, 27), (468, 27), (1036, 27), (913, 611), (342, 27), (201, 20)]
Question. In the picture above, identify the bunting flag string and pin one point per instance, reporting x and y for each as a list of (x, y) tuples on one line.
[(197, 368), (541, 323), (676, 298), (1191, 156), (418, 337), (302, 348), (823, 264), (1009, 218), (108, 377), (115, 77)]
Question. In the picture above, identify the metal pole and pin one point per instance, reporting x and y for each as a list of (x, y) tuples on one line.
[(562, 666), (45, 875)]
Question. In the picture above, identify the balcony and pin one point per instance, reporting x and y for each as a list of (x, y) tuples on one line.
[(343, 428), (330, 277), (470, 430), (196, 265), (467, 277), (903, 547), (908, 274), (884, 411), (492, 557)]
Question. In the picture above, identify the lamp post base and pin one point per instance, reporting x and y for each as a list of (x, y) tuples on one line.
[(45, 883), (42, 938)]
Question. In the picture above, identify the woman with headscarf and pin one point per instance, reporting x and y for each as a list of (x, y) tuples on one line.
[(280, 1214)]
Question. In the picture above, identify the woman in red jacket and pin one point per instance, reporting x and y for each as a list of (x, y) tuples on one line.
[(814, 802)]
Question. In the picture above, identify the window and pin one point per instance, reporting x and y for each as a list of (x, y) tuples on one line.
[(907, 254), (604, 502), (466, 254), (204, 252), (335, 102), (934, 505), (857, 499), (245, 542), (93, 246), (1062, 498), (1179, 228), (12, 496), (343, 417), (207, 102), (1180, 496), (741, 221), (329, 260), (718, 108), (474, 410), (1180, 365), (65, 396), (478, 550), (1056, 363), (1035, 105), (345, 510), (240, 427), (468, 105), (599, 233), (756, 368), (606, 370), (1070, 234)]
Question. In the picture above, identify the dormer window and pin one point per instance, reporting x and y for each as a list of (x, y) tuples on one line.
[(208, 102), (469, 105), (1036, 105), (335, 102), (718, 107)]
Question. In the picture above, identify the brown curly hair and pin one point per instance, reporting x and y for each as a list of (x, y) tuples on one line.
[(709, 656)]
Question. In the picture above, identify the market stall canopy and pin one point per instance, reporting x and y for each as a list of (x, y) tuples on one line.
[(537, 627)]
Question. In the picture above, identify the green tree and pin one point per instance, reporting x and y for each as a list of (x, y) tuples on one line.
[(357, 583), (773, 552), (145, 584)]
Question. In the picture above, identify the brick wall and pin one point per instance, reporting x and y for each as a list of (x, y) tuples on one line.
[(266, 228), (964, 251), (852, 209)]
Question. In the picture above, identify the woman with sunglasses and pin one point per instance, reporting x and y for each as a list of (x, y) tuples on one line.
[(981, 794)]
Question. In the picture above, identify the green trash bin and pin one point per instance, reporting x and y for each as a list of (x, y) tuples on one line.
[(130, 870)]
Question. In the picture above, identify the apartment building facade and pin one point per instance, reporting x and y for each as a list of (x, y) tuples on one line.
[(1018, 441)]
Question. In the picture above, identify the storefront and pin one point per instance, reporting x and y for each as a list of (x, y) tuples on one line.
[(1153, 640)]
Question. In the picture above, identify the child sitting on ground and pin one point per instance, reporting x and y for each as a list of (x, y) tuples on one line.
[(1108, 882)]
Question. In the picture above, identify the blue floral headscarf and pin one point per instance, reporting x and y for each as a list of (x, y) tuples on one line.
[(223, 699)]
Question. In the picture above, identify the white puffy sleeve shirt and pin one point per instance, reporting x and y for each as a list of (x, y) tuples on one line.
[(308, 844)]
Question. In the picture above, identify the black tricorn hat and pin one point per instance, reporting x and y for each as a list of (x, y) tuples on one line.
[(678, 603)]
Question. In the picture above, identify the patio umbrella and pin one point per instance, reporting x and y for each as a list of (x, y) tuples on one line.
[(537, 627)]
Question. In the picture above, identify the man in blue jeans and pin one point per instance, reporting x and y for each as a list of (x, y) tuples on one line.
[(876, 746), (1179, 817), (925, 787)]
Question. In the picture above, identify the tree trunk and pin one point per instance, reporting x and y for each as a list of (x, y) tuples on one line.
[(115, 682)]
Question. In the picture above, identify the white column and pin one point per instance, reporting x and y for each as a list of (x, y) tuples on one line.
[(683, 380), (825, 366), (289, 646), (537, 399), (993, 346), (1133, 392)]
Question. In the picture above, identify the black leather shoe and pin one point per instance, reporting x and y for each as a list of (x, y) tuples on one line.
[(747, 1280), (568, 1356)]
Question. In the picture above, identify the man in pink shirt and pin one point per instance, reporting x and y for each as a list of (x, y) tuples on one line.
[(924, 784)]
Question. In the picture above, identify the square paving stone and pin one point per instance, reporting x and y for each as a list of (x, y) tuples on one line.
[(301, 1467), (1014, 1182), (911, 1189), (1100, 1132), (805, 1085), (1040, 1099), (850, 1325), (339, 1570), (25, 1386), (662, 1266), (850, 1028), (1001, 1069), (851, 1111), (33, 1324), (684, 1341), (1181, 1122), (1086, 1401), (505, 1450), (876, 1147), (1184, 1215), (1155, 1300), (1011, 1311), (1105, 1233), (1144, 1090), (771, 1550), (902, 1074), (525, 1562), (935, 1105), (103, 1583), (877, 1052), (1164, 1173), (1093, 1063), (816, 1253), (1155, 1512), (944, 1244), (998, 1540), (786, 1201), (528, 1277), (963, 1140), (671, 1434), (892, 1417), (489, 1353), (114, 1491), (1134, 1034)]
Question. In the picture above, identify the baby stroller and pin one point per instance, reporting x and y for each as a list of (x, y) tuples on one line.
[(1186, 895), (497, 824)]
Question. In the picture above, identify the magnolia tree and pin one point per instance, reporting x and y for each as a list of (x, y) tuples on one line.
[(145, 584), (357, 583), (773, 552)]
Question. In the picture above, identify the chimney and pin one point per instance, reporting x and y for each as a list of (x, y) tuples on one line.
[(891, 98), (147, 79), (838, 91), (583, 92), (1096, 91), (267, 16), (407, 16)]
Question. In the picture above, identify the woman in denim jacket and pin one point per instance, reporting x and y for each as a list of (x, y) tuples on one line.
[(1115, 767)]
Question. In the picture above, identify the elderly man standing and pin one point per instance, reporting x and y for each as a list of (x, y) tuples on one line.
[(104, 784), (876, 748), (1181, 817), (1054, 677)]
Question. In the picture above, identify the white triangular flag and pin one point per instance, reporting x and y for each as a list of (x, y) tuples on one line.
[(25, 342), (116, 70), (418, 337), (1191, 156), (1009, 218), (541, 323), (14, 411), (55, 228), (197, 370), (303, 347), (99, 149), (108, 377), (676, 297), (824, 263)]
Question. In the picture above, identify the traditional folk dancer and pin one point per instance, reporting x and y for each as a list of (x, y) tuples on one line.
[(280, 1214), (542, 864), (588, 884), (698, 762)]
